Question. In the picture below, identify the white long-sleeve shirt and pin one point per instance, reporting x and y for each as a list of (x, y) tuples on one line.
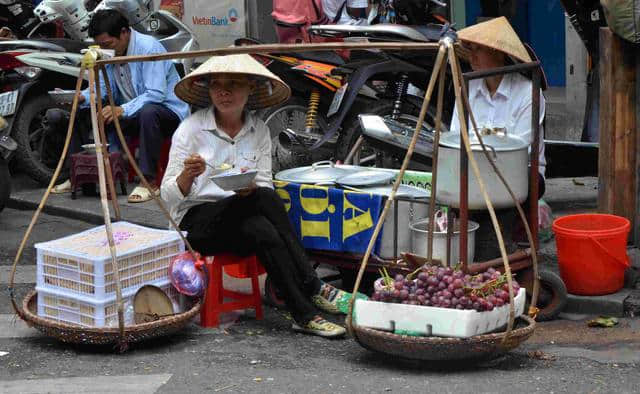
[(199, 134), (510, 107)]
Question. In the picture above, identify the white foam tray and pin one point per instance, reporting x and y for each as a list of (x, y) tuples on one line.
[(433, 321)]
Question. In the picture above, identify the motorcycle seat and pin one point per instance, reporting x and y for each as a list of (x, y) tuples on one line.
[(322, 56), (46, 44), (382, 32)]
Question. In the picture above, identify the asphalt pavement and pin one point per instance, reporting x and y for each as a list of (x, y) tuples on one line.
[(246, 355)]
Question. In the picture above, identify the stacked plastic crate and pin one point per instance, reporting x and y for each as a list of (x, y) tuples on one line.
[(75, 274)]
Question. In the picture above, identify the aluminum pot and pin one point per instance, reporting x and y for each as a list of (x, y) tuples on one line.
[(420, 231), (322, 172), (510, 154), (407, 212)]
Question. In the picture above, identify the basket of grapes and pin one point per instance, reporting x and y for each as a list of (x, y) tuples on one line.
[(442, 314)]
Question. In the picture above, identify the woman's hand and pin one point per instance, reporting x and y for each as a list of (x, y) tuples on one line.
[(194, 166)]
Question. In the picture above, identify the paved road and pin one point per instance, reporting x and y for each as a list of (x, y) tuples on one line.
[(265, 356)]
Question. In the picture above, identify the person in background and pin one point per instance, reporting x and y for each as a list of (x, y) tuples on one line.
[(500, 101), (147, 106), (346, 12), (497, 102), (226, 134)]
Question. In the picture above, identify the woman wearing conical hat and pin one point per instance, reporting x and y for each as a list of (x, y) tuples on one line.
[(501, 101), (224, 134)]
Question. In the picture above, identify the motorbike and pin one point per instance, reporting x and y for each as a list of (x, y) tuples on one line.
[(328, 92), (29, 69), (7, 147)]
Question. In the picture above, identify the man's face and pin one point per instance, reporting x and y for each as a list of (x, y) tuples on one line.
[(482, 57), (119, 44)]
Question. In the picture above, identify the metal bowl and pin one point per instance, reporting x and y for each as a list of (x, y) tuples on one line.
[(230, 181)]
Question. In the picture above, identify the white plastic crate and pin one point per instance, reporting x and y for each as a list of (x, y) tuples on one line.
[(70, 308), (81, 263), (428, 320)]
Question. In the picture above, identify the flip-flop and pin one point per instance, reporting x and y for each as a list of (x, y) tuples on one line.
[(141, 194), (64, 187)]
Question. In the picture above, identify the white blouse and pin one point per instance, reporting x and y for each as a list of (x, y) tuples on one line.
[(510, 107), (250, 148)]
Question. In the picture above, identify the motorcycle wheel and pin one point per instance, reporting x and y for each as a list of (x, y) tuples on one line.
[(292, 115), (367, 155), (5, 183), (37, 153)]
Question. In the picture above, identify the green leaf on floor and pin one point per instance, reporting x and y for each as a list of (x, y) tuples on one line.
[(603, 321)]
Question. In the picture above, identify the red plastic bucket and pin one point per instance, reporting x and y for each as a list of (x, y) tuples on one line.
[(592, 252)]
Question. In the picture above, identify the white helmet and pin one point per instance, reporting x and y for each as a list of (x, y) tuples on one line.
[(134, 10)]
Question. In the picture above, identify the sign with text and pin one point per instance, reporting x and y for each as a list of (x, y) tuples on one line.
[(216, 23)]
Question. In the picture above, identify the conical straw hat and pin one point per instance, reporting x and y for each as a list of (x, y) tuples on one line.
[(269, 90), (498, 34)]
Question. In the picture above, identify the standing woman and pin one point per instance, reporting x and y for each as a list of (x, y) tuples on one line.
[(253, 220)]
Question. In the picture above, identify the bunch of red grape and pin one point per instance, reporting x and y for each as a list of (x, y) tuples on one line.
[(447, 288)]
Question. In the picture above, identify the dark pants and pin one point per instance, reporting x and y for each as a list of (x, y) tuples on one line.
[(258, 224), (152, 124)]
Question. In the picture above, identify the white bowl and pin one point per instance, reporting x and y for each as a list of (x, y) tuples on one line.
[(234, 180), (91, 148)]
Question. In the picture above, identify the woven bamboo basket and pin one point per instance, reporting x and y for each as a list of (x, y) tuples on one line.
[(445, 349), (76, 334)]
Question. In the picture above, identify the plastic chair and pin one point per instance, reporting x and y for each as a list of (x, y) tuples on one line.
[(248, 267)]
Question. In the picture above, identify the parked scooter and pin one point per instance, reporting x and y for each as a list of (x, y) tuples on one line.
[(7, 147)]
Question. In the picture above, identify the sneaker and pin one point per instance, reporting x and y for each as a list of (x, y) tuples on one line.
[(330, 299), (321, 327)]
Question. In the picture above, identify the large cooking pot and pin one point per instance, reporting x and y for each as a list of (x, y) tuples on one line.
[(510, 154)]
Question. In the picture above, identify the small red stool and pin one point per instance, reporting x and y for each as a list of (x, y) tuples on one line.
[(214, 299), (84, 169)]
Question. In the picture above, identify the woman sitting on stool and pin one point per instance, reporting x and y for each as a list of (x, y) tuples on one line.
[(253, 220)]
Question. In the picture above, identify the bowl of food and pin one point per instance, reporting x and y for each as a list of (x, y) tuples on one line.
[(91, 148), (233, 180)]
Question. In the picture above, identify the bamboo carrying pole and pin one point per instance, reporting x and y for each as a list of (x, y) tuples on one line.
[(521, 214), (434, 166), (440, 61), (54, 178), (103, 200), (105, 152)]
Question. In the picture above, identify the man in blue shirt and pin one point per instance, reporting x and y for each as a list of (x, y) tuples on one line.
[(147, 106)]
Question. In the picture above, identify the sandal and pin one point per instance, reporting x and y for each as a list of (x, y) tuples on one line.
[(64, 187), (321, 327), (141, 194)]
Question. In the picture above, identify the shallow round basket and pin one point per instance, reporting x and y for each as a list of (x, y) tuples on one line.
[(71, 333), (441, 349)]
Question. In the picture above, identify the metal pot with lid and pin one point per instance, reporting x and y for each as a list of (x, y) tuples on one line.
[(509, 152), (323, 172)]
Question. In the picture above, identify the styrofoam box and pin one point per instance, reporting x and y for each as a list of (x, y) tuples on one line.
[(81, 263), (65, 307), (432, 321)]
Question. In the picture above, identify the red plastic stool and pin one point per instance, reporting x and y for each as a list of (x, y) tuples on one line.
[(214, 299)]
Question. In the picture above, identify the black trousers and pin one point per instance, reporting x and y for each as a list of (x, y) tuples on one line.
[(152, 124), (257, 224)]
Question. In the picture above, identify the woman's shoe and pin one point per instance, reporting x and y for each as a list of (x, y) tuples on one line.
[(321, 327)]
